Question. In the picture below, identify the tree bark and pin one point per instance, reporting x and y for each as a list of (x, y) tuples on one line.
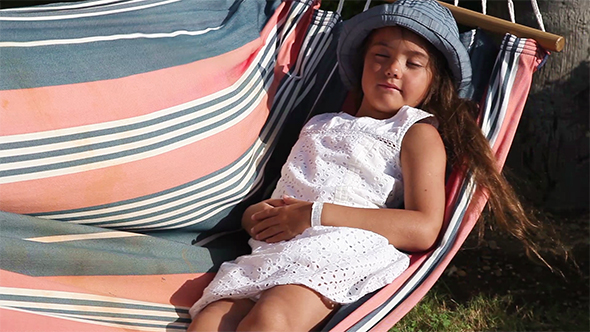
[(550, 153)]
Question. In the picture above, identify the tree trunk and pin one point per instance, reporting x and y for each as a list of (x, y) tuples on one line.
[(550, 153)]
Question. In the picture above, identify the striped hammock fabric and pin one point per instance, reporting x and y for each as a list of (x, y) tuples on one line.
[(163, 120), (133, 133)]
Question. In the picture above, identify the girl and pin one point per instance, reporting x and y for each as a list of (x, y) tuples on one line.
[(334, 229)]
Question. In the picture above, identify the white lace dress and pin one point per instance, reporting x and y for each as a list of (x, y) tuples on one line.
[(338, 159)]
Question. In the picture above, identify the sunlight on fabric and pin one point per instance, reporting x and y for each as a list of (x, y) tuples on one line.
[(95, 39), (82, 15), (79, 237)]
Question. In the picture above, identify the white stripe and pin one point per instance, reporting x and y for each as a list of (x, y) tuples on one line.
[(228, 201), (79, 237), (137, 328), (83, 15), (228, 184), (493, 94), (289, 105), (500, 91), (210, 209), (229, 195), (85, 296), (311, 49), (102, 3), (94, 39)]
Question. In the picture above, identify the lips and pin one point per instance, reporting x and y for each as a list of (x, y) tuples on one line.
[(389, 86)]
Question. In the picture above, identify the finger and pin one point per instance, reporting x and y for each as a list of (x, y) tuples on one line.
[(282, 236), (276, 202), (268, 233), (262, 225), (265, 214)]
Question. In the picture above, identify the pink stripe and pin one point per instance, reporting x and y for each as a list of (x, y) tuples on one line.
[(138, 178)]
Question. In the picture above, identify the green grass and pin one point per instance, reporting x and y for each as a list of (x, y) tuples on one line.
[(439, 312)]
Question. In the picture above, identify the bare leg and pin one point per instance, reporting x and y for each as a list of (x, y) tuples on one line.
[(287, 308), (222, 315)]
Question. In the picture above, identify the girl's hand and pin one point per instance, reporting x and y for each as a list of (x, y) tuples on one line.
[(248, 221), (282, 223)]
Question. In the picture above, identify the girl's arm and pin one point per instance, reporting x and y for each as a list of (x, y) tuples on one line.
[(414, 228)]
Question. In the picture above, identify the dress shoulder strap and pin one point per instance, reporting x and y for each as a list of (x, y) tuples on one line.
[(408, 116)]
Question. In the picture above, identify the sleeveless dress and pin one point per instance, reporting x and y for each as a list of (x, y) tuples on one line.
[(340, 159)]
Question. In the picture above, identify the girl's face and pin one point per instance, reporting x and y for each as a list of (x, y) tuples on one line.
[(396, 72)]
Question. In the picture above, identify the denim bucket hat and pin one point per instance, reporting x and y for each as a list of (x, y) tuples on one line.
[(428, 19)]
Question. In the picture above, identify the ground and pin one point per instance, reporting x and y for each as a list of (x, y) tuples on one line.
[(497, 266)]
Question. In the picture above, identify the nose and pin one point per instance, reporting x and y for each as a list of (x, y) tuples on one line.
[(393, 70)]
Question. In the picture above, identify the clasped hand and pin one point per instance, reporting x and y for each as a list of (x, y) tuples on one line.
[(280, 219)]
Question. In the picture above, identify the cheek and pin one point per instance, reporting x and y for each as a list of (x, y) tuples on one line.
[(424, 88), (370, 72), (366, 76)]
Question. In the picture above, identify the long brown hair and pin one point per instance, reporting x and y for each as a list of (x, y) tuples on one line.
[(469, 150)]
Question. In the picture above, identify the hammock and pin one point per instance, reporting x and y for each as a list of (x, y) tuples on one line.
[(134, 133)]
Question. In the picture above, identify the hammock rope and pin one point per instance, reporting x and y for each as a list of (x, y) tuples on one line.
[(367, 4), (538, 15)]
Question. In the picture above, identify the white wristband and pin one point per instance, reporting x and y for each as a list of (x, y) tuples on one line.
[(316, 213)]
